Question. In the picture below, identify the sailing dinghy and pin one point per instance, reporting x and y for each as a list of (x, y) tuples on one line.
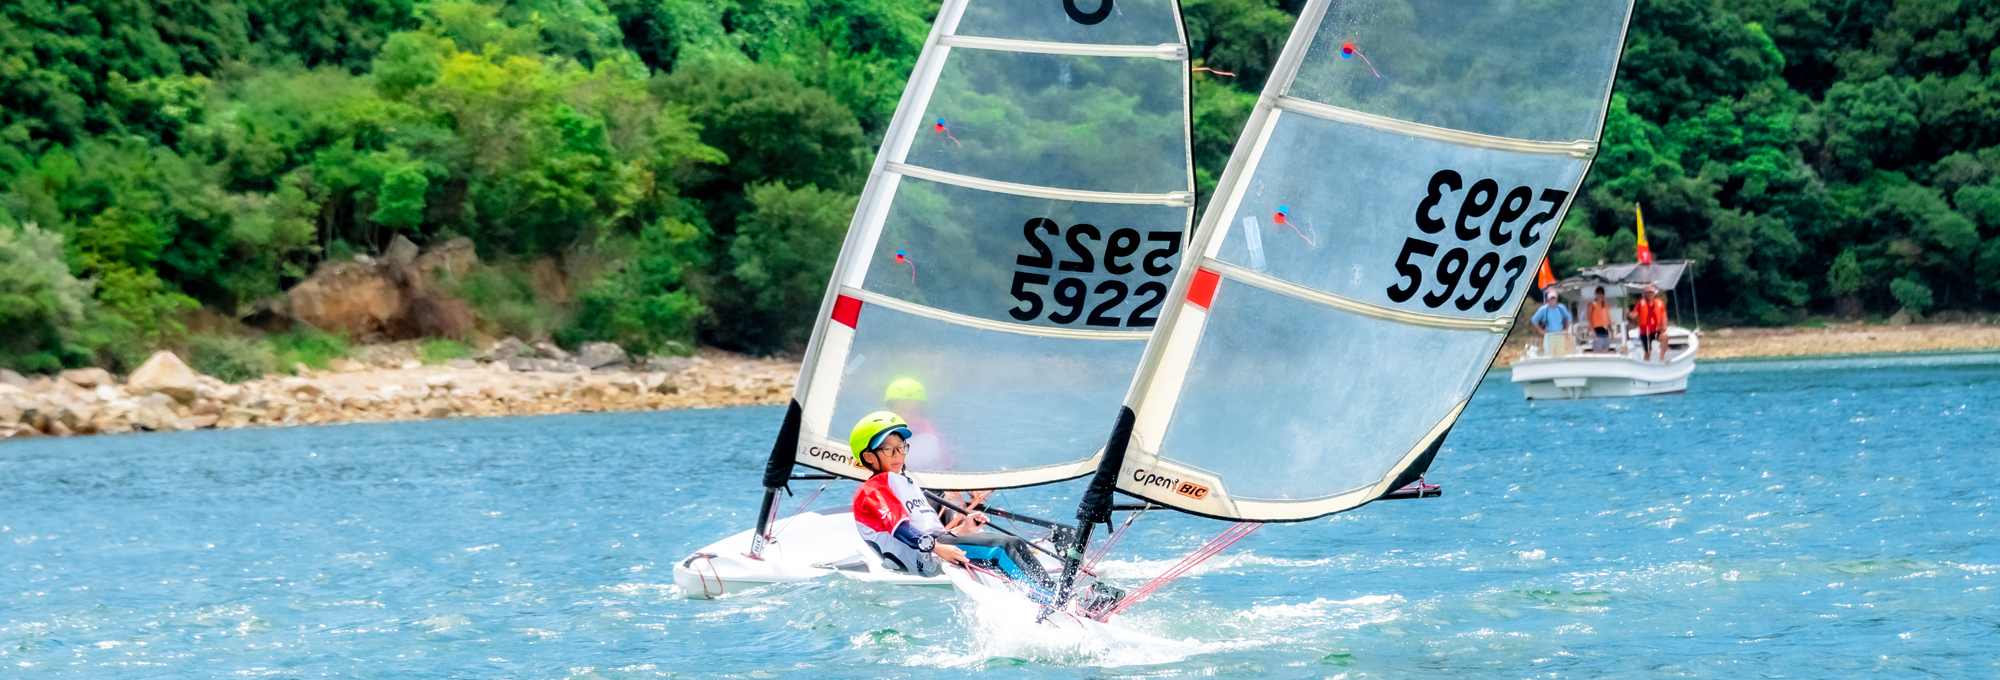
[(1009, 258), (1363, 260)]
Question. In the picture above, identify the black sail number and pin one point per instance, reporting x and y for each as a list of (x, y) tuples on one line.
[(1555, 200), (1069, 293), (1156, 261), (1084, 263), (1021, 282), (1464, 276), (1138, 319), (1093, 18), (1413, 274), (1443, 178), (1098, 316), (1123, 243), (1042, 258), (1517, 265), (1126, 251)]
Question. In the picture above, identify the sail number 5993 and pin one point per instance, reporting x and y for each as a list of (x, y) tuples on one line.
[(1479, 261)]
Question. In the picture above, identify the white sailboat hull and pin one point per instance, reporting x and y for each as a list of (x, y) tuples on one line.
[(1583, 375), (808, 546), (803, 542)]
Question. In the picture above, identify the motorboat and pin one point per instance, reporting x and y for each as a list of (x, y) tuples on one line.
[(1622, 369)]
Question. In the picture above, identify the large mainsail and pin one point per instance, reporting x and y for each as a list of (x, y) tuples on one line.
[(1369, 244), (1013, 247)]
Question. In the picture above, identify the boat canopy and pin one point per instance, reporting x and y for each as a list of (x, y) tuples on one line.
[(1628, 278), (1013, 246), (1367, 247)]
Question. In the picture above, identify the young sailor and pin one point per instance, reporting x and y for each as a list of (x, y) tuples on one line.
[(901, 524)]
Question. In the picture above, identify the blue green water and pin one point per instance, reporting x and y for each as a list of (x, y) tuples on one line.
[(1783, 519)]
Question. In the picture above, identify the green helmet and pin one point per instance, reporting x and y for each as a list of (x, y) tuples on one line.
[(872, 429), (905, 389)]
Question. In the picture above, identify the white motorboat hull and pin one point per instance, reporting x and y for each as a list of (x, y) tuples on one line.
[(1590, 376)]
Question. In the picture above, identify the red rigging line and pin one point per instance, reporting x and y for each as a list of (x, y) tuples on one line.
[(1216, 545), (1210, 70)]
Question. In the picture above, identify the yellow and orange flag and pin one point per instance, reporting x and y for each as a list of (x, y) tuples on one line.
[(1645, 251)]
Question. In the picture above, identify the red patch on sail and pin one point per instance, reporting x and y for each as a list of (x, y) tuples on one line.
[(1202, 291), (846, 310)]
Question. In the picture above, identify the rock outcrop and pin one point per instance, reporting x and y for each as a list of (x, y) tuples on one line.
[(389, 299), (164, 374)]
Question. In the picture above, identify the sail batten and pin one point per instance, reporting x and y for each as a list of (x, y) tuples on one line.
[(1168, 51), (1369, 246), (1575, 149), (1013, 248), (1391, 314), (1178, 199)]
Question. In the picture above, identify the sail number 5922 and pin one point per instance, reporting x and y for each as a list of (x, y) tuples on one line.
[(1478, 261), (1073, 295)]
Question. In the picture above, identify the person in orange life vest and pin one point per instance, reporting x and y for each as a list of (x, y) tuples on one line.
[(906, 527), (1600, 322), (1650, 314)]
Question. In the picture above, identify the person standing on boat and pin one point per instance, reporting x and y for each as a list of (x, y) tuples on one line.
[(1600, 322), (899, 522), (1553, 320), (1650, 314)]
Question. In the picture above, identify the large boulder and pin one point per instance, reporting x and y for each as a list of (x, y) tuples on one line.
[(164, 374), (549, 350), (88, 378), (599, 354), (511, 348), (8, 377)]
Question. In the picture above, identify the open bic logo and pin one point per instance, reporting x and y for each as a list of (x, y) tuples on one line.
[(1191, 490)]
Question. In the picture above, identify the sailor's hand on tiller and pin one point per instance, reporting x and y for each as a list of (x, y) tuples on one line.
[(949, 553)]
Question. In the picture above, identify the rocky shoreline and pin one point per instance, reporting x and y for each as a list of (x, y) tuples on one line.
[(514, 378), (164, 395)]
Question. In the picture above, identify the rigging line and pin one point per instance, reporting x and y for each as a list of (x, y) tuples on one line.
[(1187, 564), (1017, 527), (1113, 540), (1228, 538), (1210, 70), (802, 508)]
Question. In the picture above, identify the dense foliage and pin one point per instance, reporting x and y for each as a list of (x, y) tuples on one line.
[(687, 166)]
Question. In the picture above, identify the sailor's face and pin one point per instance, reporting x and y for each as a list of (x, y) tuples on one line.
[(890, 455)]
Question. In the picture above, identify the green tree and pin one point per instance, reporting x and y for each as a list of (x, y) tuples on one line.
[(784, 252)]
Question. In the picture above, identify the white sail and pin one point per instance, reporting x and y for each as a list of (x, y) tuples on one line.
[(1369, 244), (1014, 244)]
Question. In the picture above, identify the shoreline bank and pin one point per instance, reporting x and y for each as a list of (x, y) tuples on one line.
[(92, 401)]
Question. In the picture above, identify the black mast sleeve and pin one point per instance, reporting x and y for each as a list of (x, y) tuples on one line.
[(778, 470), (1096, 505), (1421, 465)]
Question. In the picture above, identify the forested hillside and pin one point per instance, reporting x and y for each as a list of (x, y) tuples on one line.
[(168, 168)]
